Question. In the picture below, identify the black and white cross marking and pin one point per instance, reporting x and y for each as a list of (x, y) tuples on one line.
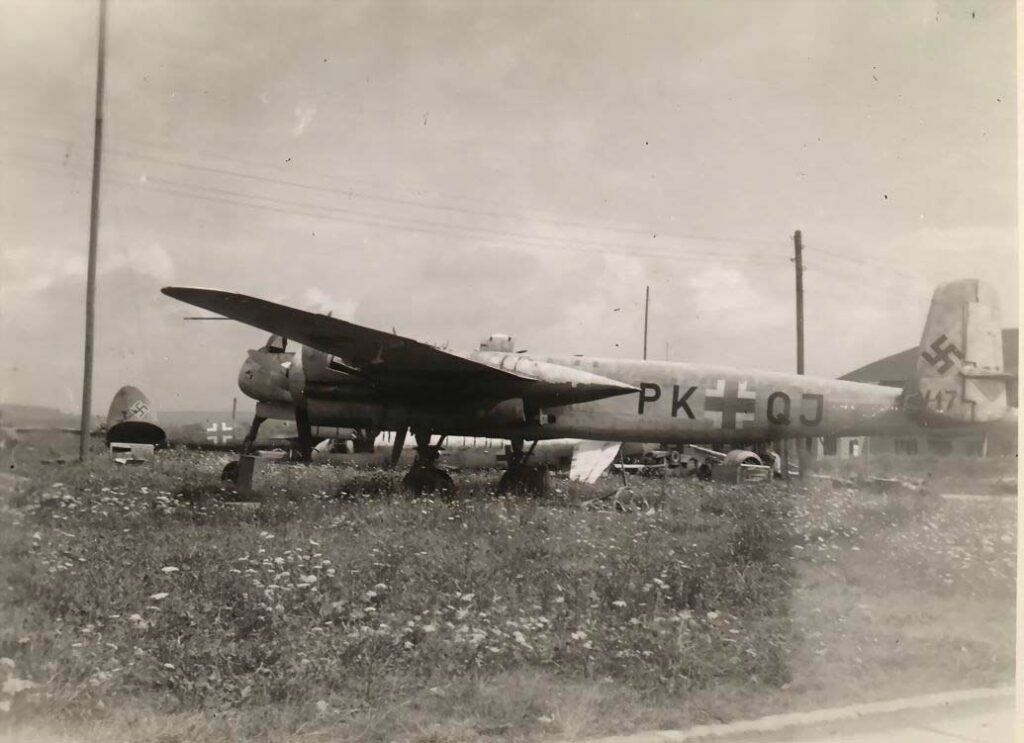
[(729, 404)]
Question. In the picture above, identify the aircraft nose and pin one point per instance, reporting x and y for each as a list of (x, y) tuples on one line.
[(257, 380), (248, 378)]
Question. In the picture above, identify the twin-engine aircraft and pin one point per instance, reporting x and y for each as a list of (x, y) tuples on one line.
[(349, 375)]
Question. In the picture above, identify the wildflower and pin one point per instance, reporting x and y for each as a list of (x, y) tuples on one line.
[(159, 596), (619, 603), (169, 569), (13, 686)]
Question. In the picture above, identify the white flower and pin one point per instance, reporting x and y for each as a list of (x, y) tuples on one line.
[(169, 569), (620, 603), (712, 615), (159, 596), (13, 686), (579, 635)]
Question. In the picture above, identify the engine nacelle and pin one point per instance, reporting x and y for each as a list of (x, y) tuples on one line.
[(515, 411), (507, 412)]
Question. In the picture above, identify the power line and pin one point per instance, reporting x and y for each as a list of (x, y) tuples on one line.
[(234, 198), (353, 193)]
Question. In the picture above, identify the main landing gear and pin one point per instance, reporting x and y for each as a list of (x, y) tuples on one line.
[(522, 478), (424, 477), (230, 471)]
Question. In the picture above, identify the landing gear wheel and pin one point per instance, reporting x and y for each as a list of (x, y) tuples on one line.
[(525, 480), (704, 472), (230, 472), (428, 481)]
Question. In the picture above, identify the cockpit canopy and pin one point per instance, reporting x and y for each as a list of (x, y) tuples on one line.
[(497, 342), (276, 344)]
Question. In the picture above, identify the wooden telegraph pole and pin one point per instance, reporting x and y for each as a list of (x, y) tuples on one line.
[(802, 444), (647, 308), (798, 260), (94, 223)]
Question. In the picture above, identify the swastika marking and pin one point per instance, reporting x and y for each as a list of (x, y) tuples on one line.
[(943, 351), (730, 404), (138, 410)]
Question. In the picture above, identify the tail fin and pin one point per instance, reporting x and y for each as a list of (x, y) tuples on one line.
[(959, 376), (132, 420)]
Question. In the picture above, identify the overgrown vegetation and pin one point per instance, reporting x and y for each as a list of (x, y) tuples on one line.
[(334, 590), (336, 605)]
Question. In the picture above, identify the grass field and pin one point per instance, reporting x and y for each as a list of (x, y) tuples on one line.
[(137, 606)]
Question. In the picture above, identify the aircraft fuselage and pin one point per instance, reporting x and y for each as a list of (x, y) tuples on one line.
[(675, 403)]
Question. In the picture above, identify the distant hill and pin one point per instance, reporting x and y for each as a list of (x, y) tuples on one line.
[(15, 415), (37, 416), (184, 417)]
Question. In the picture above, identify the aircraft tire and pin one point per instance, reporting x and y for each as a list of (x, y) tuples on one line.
[(526, 480), (428, 481), (230, 471)]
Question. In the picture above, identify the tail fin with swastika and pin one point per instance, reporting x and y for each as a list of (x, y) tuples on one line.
[(959, 375), (132, 419)]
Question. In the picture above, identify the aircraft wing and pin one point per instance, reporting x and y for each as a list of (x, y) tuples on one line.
[(388, 359), (591, 458)]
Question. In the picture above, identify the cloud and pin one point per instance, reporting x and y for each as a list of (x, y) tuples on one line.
[(317, 300), (303, 118), (149, 260)]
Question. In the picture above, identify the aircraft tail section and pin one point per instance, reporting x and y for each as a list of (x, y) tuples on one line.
[(131, 419), (959, 377)]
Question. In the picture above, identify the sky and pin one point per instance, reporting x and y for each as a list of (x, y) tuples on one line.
[(453, 170)]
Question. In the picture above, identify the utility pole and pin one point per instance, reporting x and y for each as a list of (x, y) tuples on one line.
[(798, 259), (647, 307), (802, 445), (94, 223)]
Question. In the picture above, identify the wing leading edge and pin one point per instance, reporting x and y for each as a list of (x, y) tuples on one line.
[(393, 362)]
